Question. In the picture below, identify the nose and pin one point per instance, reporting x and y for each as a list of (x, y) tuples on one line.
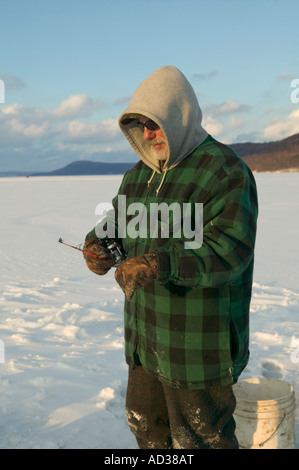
[(148, 134)]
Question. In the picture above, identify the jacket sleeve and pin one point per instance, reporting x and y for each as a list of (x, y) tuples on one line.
[(229, 228)]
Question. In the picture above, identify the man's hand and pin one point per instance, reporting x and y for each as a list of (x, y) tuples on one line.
[(103, 263), (136, 272)]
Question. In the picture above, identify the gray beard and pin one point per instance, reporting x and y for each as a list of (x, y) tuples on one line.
[(161, 154)]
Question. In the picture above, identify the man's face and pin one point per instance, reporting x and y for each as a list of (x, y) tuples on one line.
[(157, 140)]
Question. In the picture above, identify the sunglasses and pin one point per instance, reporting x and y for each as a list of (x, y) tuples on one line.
[(150, 125)]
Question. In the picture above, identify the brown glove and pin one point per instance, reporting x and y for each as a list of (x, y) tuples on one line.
[(136, 272), (103, 263)]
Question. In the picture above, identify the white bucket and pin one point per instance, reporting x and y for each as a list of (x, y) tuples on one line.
[(264, 414)]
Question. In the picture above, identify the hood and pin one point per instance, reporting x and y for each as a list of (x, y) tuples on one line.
[(167, 98)]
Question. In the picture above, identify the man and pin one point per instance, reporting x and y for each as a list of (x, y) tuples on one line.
[(186, 306)]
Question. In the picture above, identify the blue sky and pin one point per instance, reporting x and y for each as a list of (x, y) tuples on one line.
[(69, 68)]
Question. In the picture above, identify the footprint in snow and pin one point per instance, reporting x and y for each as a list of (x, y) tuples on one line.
[(271, 370)]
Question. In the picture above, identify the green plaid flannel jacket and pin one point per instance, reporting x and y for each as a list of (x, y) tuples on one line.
[(190, 327)]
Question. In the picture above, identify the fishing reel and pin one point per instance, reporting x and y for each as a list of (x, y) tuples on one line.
[(114, 250)]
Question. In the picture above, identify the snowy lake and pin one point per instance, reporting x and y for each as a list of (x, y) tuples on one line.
[(62, 369)]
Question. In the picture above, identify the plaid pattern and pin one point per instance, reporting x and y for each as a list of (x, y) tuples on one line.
[(190, 327)]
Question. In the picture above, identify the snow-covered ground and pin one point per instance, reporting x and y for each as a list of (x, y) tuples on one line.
[(63, 379)]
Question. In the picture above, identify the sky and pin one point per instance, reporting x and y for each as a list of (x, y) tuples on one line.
[(68, 69)]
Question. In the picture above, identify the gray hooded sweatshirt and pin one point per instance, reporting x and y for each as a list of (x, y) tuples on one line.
[(167, 98)]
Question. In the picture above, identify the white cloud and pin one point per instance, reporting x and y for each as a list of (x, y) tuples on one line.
[(36, 135), (76, 105), (279, 128), (215, 116), (81, 132), (235, 123), (73, 107), (226, 108), (11, 109), (24, 114), (21, 123), (39, 139), (30, 131), (213, 126)]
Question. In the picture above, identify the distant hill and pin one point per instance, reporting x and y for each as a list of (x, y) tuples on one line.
[(282, 155), (80, 167), (85, 167)]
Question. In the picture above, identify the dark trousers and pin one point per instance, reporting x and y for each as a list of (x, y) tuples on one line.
[(162, 417)]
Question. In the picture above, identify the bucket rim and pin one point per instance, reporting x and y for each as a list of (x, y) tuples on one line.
[(260, 380)]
